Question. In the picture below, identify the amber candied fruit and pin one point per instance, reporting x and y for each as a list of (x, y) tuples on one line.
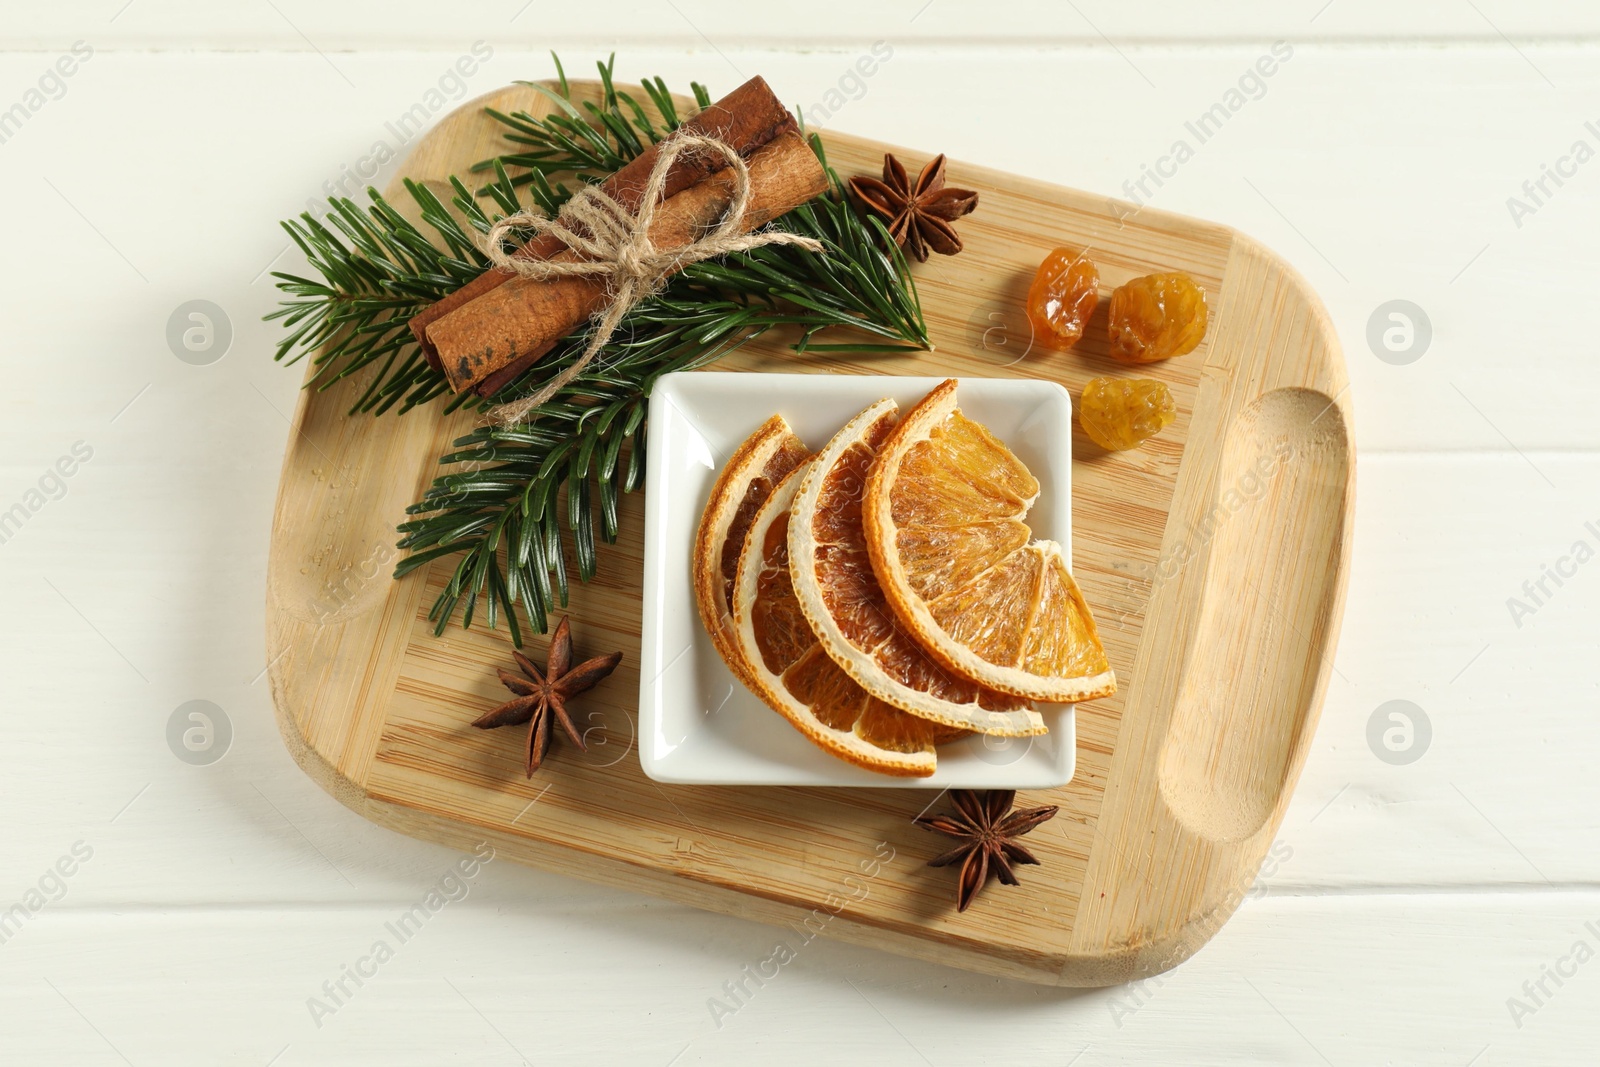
[(1064, 293), (1119, 413), (1156, 317)]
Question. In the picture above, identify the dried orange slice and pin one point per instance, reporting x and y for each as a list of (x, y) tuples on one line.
[(943, 515), (789, 670), (836, 589), (749, 477)]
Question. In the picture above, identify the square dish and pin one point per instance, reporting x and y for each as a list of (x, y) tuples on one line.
[(697, 723)]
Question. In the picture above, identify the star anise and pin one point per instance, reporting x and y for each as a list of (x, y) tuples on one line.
[(541, 696), (918, 216), (987, 833)]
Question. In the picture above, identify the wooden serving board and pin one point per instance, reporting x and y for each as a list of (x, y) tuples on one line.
[(1215, 558)]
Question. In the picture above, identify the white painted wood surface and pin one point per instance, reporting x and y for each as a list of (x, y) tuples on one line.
[(1412, 901)]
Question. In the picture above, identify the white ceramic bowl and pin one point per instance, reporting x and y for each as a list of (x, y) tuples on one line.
[(697, 723)]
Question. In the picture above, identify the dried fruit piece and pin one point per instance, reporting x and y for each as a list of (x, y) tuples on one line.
[(1064, 293), (831, 568), (943, 512), (788, 669), (1156, 317), (744, 484), (1120, 413)]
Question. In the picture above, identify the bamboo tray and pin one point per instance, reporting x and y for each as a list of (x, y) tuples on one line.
[(1215, 558)]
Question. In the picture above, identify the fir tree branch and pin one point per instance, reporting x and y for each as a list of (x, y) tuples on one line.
[(519, 495), (504, 511), (586, 141), (378, 270)]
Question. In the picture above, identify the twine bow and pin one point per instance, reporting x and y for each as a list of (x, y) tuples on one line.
[(615, 242)]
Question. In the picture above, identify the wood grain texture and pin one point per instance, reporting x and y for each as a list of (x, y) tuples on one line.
[(1215, 558)]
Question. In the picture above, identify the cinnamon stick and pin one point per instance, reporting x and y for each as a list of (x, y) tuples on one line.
[(747, 118), (520, 320)]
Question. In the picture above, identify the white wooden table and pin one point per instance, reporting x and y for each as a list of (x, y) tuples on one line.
[(1417, 911)]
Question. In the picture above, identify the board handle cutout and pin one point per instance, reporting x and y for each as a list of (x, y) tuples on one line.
[(1275, 530)]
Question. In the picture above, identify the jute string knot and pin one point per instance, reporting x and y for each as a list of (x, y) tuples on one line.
[(614, 242)]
